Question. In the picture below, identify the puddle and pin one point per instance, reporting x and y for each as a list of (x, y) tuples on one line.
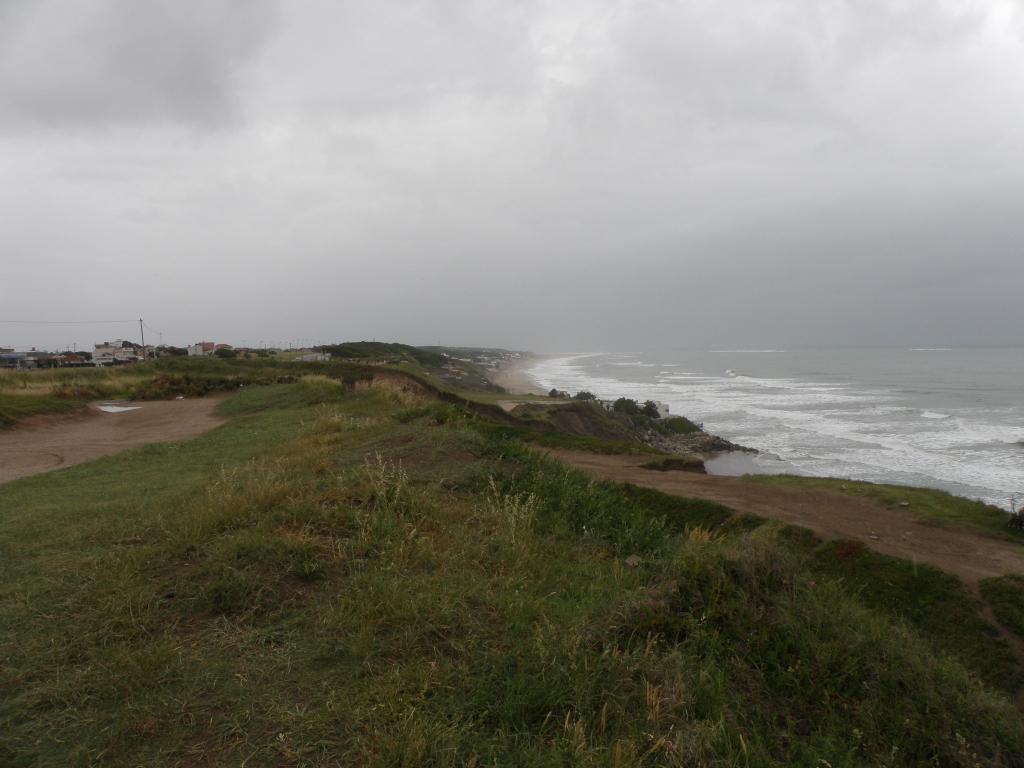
[(118, 408)]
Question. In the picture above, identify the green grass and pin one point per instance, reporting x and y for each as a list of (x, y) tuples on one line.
[(599, 445), (926, 504), (674, 425), (380, 349), (936, 603), (447, 413), (303, 393), (562, 441), (1006, 596), (13, 408), (328, 579)]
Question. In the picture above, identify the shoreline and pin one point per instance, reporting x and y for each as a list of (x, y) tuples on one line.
[(514, 376), (948, 476)]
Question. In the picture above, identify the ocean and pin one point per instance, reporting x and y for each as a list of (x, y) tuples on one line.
[(948, 418)]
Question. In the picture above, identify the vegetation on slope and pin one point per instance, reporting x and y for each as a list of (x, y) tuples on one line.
[(14, 408), (936, 507), (934, 602), (380, 350), (1006, 596), (331, 579)]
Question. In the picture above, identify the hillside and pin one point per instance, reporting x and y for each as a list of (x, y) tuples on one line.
[(361, 568), (380, 350)]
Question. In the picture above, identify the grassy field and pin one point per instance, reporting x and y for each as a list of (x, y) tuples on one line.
[(349, 579), (929, 505), (31, 393), (60, 390), (934, 602)]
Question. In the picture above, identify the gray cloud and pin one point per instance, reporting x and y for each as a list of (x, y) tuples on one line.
[(117, 61), (546, 175)]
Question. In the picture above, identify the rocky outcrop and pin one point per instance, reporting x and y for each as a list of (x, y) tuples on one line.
[(700, 444)]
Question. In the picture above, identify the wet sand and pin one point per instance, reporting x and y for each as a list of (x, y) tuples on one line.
[(738, 463)]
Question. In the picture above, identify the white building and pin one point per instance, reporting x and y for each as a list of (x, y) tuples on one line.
[(609, 405), (114, 352), (202, 349)]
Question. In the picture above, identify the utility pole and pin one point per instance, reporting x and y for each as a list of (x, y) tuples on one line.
[(143, 334)]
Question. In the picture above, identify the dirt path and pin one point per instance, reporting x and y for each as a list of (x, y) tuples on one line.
[(43, 443), (829, 514), (510, 405)]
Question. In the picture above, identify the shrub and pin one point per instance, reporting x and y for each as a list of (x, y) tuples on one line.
[(627, 406), (584, 395), (676, 464), (1015, 522), (678, 425), (168, 385)]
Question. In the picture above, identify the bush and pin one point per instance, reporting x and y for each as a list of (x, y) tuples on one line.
[(584, 395), (627, 406), (1015, 522), (650, 410), (168, 351), (678, 425), (676, 464)]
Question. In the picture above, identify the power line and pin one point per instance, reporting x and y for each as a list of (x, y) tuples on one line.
[(66, 322)]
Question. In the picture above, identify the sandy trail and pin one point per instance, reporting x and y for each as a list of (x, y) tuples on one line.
[(43, 443), (830, 515)]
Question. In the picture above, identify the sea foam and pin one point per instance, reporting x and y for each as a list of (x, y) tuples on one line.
[(863, 429)]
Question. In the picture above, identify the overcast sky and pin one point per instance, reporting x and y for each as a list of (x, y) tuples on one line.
[(597, 175)]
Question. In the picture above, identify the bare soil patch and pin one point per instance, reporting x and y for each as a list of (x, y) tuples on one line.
[(43, 443), (830, 515)]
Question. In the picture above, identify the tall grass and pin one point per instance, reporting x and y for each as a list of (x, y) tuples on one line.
[(45, 381), (320, 583), (31, 393)]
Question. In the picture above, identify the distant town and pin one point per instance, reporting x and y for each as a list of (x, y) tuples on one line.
[(122, 352)]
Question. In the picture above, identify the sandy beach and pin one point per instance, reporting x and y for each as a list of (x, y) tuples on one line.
[(514, 376)]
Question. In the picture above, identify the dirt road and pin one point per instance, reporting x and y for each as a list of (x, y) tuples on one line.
[(43, 443), (831, 515)]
